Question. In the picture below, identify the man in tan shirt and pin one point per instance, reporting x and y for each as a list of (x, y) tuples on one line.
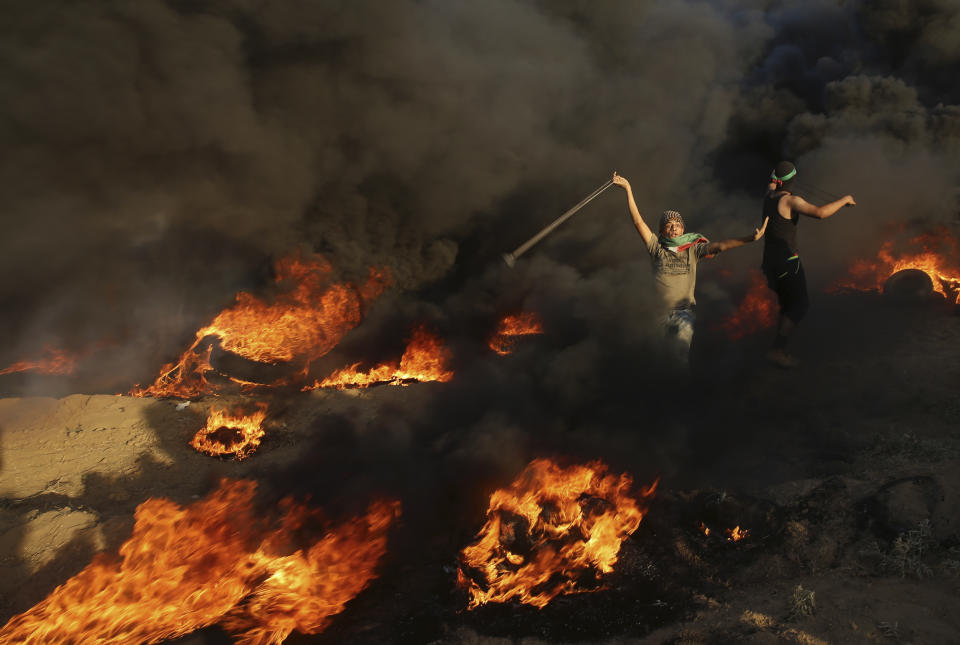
[(675, 255)]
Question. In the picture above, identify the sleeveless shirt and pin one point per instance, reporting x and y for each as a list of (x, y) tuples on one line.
[(780, 239)]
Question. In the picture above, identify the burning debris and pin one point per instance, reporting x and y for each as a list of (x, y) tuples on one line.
[(234, 433), (733, 535), (551, 530), (510, 328), (211, 562), (736, 534), (757, 311), (931, 258), (716, 521), (425, 359), (304, 322), (55, 362)]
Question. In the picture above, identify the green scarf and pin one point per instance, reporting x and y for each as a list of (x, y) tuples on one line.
[(682, 242)]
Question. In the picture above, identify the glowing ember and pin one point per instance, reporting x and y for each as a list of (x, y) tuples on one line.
[(736, 534), (551, 528), (425, 359), (510, 328), (757, 312), (213, 561), (704, 528), (231, 434), (869, 275), (304, 322), (56, 362)]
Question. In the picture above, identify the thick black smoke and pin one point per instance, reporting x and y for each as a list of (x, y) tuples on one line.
[(158, 156), (138, 136)]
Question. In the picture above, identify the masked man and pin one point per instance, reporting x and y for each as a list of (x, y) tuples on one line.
[(781, 257), (675, 255)]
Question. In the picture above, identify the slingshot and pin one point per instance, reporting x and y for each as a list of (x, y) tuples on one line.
[(511, 258)]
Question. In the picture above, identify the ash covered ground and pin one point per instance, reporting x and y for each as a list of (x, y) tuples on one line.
[(827, 467)]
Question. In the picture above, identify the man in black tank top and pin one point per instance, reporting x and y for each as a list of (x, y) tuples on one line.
[(781, 255)]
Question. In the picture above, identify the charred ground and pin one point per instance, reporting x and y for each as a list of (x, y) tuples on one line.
[(838, 469)]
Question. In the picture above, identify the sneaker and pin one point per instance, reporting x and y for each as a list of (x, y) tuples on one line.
[(781, 359)]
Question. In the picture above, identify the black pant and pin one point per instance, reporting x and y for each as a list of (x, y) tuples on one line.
[(787, 279)]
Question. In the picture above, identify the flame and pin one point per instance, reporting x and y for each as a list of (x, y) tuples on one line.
[(425, 359), (523, 324), (304, 590), (213, 561), (704, 528), (231, 434), (550, 528), (56, 362), (736, 534), (757, 311), (304, 322), (869, 275)]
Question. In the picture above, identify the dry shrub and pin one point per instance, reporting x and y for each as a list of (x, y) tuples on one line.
[(802, 603)]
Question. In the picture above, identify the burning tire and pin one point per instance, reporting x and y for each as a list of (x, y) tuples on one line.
[(237, 367), (909, 284)]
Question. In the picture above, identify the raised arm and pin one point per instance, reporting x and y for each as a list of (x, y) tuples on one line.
[(804, 207), (725, 245), (645, 231)]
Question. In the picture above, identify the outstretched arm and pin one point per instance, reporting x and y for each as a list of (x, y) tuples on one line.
[(645, 231), (801, 205), (719, 247)]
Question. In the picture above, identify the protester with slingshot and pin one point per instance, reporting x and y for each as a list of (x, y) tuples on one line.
[(781, 258), (675, 255)]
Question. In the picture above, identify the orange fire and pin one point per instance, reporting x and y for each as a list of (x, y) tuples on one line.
[(757, 312), (736, 534), (869, 275), (231, 434), (552, 526), (213, 561), (305, 321), (56, 362), (425, 359), (704, 528), (510, 328)]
